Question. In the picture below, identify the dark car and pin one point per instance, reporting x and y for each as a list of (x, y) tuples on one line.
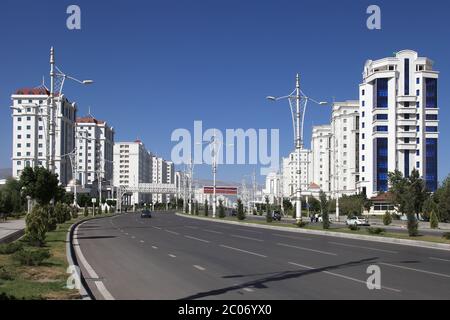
[(146, 214), (234, 213), (276, 215)]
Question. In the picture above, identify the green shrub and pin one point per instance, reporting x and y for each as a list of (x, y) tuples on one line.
[(269, 217), (100, 211), (31, 257), (221, 210), (353, 227), (52, 220), (10, 248), (5, 274), (413, 226), (387, 218), (36, 226), (446, 235), (375, 230), (86, 211), (240, 211), (62, 212), (434, 221), (74, 213)]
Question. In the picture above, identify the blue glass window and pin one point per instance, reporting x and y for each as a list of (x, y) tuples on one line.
[(432, 129), (407, 164), (417, 164), (382, 116), (382, 93), (382, 164), (406, 77), (431, 116), (431, 87), (431, 164), (418, 80), (381, 128)]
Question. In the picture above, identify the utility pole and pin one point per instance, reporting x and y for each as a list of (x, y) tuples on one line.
[(298, 201), (214, 172)]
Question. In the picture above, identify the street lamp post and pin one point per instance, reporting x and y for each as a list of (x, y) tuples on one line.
[(55, 74), (301, 101)]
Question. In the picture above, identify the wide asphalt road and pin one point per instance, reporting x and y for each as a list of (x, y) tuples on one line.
[(172, 257)]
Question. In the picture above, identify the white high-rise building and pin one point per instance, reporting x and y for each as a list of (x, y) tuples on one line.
[(95, 150), (320, 167), (132, 166), (398, 120), (344, 170), (162, 172), (289, 172), (273, 189), (30, 131)]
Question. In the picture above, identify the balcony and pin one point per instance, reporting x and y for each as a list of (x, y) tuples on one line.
[(407, 122), (406, 146), (407, 134)]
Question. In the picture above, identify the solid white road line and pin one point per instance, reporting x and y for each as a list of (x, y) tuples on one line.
[(199, 268), (92, 274), (142, 241), (157, 228), (290, 237), (247, 238), (172, 256), (244, 251), (154, 247), (102, 289), (307, 249), (341, 276), (249, 290), (416, 270), (212, 231), (362, 247), (439, 259), (194, 238), (172, 232)]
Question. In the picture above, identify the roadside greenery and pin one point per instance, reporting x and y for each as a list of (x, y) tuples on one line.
[(387, 218), (221, 209), (240, 210), (325, 207)]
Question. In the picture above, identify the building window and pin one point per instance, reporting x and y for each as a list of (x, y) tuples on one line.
[(406, 77), (382, 164), (363, 147), (417, 164), (19, 163), (431, 93), (406, 140), (381, 93), (418, 93), (431, 117), (431, 129), (431, 164), (418, 81), (382, 117), (363, 92), (418, 153), (19, 119), (407, 164), (381, 128)]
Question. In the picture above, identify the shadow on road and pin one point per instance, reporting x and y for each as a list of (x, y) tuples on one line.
[(279, 276)]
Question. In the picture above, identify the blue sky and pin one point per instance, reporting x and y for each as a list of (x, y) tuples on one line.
[(160, 65)]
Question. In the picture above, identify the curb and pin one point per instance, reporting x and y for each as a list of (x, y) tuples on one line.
[(13, 236), (405, 242)]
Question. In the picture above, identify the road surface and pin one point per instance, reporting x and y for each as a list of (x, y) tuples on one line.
[(173, 257)]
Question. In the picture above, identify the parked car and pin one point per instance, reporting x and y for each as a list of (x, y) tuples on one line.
[(276, 215), (355, 221), (146, 214)]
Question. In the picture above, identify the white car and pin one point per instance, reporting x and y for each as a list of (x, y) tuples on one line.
[(355, 221)]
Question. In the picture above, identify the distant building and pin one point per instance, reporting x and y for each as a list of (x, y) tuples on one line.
[(95, 150), (321, 157)]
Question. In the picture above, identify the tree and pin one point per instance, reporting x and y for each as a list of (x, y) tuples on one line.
[(314, 205), (86, 211), (206, 208), (36, 226), (324, 205), (428, 207), (434, 221), (269, 217), (442, 199), (221, 209), (197, 210), (10, 197), (409, 195), (40, 184), (240, 210)]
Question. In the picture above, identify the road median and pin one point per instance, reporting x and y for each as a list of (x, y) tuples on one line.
[(335, 234)]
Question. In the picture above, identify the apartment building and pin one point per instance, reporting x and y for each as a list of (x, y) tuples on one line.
[(398, 120), (32, 142), (320, 164)]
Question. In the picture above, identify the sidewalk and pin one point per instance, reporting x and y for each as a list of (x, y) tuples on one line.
[(11, 230)]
